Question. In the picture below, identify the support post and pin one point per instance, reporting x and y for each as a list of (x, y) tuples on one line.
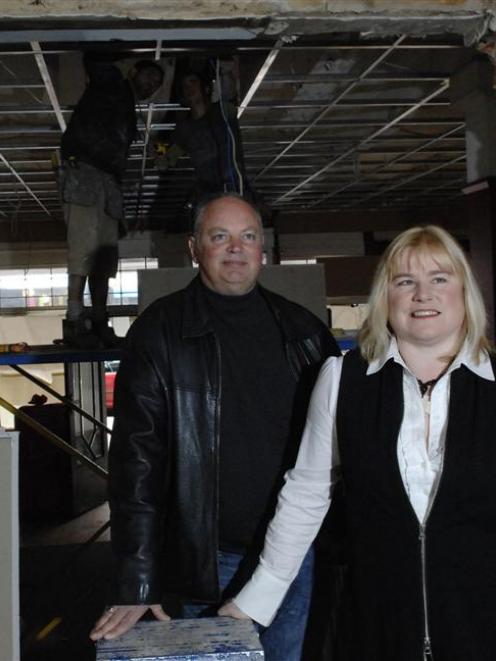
[(471, 90), (9, 547)]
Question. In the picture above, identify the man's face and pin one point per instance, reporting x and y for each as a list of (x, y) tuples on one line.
[(146, 82), (192, 90), (228, 247)]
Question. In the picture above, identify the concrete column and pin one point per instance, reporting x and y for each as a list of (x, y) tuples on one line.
[(9, 546), (472, 90), (481, 210), (269, 245)]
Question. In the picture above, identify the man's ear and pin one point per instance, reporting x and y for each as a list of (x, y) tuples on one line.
[(192, 248)]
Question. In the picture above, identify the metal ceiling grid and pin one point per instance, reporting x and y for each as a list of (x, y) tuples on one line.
[(381, 108), (325, 125)]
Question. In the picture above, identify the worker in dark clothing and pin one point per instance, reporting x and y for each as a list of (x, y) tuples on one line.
[(94, 149), (211, 136)]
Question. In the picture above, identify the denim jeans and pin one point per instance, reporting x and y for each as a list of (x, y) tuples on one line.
[(283, 639)]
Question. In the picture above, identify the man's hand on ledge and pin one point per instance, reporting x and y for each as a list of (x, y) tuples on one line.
[(118, 619)]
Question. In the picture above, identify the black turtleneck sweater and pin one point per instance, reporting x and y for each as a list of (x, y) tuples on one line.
[(257, 390)]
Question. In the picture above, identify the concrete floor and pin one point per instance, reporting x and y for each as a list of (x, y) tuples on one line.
[(63, 587)]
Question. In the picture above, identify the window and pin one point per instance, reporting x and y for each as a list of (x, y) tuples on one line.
[(33, 288), (37, 288), (123, 289), (291, 262)]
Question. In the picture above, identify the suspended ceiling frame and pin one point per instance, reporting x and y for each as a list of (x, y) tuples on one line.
[(330, 122)]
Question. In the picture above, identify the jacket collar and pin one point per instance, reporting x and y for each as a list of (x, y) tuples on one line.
[(197, 320), (196, 317)]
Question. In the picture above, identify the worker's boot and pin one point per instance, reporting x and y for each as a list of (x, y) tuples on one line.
[(105, 333), (79, 333)]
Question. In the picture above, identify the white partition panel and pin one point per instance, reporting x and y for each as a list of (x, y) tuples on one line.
[(302, 283), (9, 547)]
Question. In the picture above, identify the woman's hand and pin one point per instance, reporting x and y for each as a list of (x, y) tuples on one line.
[(229, 609), (118, 619)]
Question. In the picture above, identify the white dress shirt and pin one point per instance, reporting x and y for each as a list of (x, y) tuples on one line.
[(306, 495)]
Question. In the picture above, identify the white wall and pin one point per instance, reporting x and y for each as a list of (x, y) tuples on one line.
[(9, 548)]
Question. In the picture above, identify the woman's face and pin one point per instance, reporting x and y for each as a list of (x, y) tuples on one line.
[(426, 303)]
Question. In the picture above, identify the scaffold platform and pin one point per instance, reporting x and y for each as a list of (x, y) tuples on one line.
[(54, 353)]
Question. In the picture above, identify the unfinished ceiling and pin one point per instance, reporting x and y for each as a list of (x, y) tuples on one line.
[(338, 121)]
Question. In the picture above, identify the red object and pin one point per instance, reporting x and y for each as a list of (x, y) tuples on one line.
[(110, 374)]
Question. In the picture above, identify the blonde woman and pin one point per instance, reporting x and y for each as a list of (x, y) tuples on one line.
[(408, 422)]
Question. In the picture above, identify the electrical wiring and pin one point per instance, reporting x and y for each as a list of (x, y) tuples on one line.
[(231, 141)]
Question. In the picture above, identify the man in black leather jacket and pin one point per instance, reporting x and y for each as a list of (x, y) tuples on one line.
[(210, 401)]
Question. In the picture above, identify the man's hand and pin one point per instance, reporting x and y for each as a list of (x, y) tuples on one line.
[(118, 619), (229, 609)]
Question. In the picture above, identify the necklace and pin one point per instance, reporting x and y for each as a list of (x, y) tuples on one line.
[(426, 386), (426, 391)]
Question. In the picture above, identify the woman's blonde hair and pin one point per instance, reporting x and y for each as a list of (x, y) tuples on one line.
[(429, 241)]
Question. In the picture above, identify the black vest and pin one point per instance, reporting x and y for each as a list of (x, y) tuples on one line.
[(387, 611)]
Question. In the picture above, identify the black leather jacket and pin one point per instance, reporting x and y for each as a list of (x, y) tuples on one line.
[(164, 450)]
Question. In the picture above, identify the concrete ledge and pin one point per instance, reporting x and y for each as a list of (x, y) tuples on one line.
[(212, 638), (83, 20), (193, 9)]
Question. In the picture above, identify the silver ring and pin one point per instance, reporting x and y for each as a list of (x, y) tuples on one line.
[(111, 609)]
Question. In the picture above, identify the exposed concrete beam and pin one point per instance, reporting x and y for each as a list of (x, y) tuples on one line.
[(191, 9), (470, 18)]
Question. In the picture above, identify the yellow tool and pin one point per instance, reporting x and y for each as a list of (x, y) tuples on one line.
[(53, 624), (161, 148)]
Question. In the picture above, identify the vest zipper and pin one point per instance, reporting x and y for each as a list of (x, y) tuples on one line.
[(427, 639), (427, 650), (427, 647)]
